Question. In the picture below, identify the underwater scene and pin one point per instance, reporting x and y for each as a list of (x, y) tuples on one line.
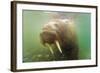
[(55, 36)]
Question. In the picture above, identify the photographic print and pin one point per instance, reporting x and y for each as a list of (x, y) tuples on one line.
[(52, 36)]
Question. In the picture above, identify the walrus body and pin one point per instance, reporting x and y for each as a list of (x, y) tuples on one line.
[(60, 33)]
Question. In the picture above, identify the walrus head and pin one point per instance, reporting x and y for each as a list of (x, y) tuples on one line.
[(51, 34)]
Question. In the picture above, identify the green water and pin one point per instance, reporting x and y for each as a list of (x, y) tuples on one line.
[(33, 22)]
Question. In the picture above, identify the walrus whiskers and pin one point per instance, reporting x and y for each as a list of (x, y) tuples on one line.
[(58, 46)]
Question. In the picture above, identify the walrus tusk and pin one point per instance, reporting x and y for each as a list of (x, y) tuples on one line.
[(58, 46), (50, 48)]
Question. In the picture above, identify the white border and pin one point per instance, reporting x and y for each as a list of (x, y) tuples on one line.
[(21, 65)]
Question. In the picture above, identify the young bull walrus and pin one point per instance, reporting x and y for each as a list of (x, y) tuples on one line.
[(61, 33)]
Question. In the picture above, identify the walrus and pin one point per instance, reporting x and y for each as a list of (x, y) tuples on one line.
[(60, 34)]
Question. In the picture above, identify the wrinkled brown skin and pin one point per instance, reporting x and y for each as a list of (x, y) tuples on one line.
[(65, 34)]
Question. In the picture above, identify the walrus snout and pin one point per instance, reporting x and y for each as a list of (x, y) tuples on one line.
[(48, 37)]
